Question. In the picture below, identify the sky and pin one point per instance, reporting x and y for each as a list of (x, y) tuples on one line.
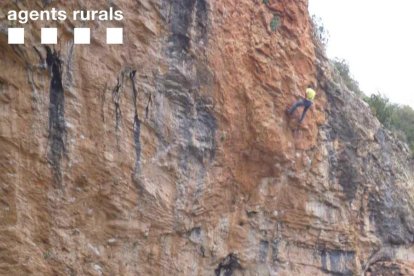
[(376, 37)]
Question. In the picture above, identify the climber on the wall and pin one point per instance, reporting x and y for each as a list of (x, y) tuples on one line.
[(306, 102)]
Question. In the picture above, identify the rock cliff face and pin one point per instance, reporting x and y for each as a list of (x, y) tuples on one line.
[(172, 153)]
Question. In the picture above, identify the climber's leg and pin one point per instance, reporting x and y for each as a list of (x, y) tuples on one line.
[(292, 109), (307, 104)]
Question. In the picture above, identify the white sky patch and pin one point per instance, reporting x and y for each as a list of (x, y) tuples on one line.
[(376, 37)]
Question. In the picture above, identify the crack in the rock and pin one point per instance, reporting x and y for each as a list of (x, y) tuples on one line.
[(57, 129), (116, 94), (137, 124), (148, 106)]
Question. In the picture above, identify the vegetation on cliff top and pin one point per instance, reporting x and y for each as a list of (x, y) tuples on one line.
[(398, 118), (395, 117)]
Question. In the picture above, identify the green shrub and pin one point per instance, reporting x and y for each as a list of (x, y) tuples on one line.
[(47, 255), (382, 108), (275, 22)]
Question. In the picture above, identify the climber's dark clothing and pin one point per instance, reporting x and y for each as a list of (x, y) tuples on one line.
[(302, 102)]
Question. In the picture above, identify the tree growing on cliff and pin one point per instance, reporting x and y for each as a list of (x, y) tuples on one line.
[(382, 108), (402, 119)]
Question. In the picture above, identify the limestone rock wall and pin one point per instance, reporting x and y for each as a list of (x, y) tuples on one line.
[(172, 153)]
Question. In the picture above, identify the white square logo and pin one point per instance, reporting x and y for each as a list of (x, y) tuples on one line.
[(114, 36), (16, 35), (49, 36), (82, 36)]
